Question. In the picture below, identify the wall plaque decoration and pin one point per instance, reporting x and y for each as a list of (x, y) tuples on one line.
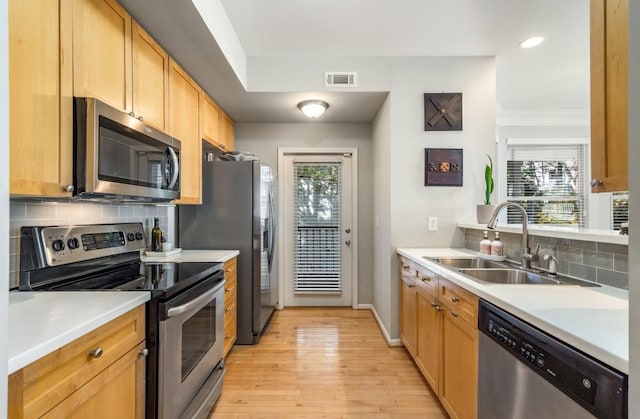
[(443, 111), (443, 167)]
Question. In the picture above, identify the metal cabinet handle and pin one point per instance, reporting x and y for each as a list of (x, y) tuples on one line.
[(228, 270), (426, 279), (405, 267), (143, 352), (411, 285), (228, 309), (227, 290), (132, 114), (96, 353), (595, 183), (455, 299), (454, 314), (68, 188), (140, 118), (434, 304), (437, 307), (227, 336)]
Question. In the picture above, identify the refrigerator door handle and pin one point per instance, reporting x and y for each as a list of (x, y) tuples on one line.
[(272, 229)]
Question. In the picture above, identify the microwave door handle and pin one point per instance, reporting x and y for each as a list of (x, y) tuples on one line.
[(174, 163)]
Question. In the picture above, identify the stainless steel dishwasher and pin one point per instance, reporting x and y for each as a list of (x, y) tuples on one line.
[(525, 373)]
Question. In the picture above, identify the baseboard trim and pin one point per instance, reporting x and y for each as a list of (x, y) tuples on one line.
[(390, 342)]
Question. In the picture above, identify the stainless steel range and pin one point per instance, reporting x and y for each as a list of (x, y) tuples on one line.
[(184, 318)]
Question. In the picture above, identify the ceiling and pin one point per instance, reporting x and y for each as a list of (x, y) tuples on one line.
[(553, 76)]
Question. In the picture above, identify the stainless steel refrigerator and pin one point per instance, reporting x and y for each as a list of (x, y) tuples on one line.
[(238, 212)]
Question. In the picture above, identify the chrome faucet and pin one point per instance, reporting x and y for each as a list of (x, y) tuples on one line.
[(527, 257)]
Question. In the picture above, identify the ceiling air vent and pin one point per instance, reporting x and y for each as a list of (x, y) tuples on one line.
[(340, 79)]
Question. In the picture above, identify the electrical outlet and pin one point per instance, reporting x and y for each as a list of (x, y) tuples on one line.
[(433, 223)]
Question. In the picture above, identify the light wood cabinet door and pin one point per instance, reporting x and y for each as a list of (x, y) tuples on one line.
[(458, 389), (408, 328), (102, 52), (184, 124), (428, 336), (40, 98), (230, 305), (609, 97), (210, 121), (85, 376), (227, 142), (150, 79), (117, 392)]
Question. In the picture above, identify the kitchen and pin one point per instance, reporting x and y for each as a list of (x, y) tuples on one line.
[(388, 171)]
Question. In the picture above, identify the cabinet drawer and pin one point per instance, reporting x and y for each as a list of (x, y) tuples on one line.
[(407, 268), (52, 378), (428, 280), (461, 302)]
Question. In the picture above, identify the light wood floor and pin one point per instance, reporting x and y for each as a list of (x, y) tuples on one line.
[(324, 363)]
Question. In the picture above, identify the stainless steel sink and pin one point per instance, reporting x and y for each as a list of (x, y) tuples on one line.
[(521, 277), (469, 263)]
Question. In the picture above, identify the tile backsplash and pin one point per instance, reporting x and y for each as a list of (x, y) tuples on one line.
[(603, 263), (27, 213)]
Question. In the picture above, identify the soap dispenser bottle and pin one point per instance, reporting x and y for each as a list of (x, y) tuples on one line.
[(485, 244), (497, 247)]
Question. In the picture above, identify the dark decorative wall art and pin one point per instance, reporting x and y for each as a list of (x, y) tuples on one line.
[(442, 167), (443, 111)]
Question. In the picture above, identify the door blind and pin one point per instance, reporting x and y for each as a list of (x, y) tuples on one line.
[(317, 228), (548, 181)]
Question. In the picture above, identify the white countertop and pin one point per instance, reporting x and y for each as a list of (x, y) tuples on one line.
[(594, 320), (194, 256), (41, 322), (573, 233)]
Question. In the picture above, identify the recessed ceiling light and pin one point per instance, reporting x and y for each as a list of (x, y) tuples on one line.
[(534, 41)]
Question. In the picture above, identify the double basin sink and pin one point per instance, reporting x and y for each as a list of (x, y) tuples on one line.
[(492, 272)]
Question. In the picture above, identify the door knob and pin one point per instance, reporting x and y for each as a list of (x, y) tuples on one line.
[(348, 230), (347, 242)]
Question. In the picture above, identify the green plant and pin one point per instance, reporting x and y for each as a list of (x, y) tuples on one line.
[(488, 180)]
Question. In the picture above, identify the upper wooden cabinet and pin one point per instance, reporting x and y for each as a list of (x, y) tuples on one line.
[(40, 98), (184, 116), (150, 79), (102, 52), (609, 85), (226, 132), (210, 121)]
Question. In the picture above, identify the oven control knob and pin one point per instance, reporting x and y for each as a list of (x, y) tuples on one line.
[(73, 243), (57, 245), (139, 236), (131, 237)]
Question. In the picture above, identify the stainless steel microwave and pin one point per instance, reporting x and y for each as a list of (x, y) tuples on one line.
[(117, 156)]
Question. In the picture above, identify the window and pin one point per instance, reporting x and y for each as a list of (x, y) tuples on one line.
[(317, 226), (548, 181), (619, 209)]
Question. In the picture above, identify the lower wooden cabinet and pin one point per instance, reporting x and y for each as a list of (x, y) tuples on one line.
[(99, 375), (438, 326), (230, 304)]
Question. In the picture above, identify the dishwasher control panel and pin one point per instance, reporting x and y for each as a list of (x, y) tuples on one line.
[(594, 385)]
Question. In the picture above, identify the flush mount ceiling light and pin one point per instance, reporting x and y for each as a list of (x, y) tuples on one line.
[(534, 41), (313, 108)]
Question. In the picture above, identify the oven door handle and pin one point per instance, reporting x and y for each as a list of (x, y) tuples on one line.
[(196, 302)]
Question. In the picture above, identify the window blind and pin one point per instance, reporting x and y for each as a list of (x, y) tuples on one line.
[(619, 209), (317, 228), (548, 181)]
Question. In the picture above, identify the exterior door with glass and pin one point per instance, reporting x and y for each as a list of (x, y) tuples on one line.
[(318, 230)]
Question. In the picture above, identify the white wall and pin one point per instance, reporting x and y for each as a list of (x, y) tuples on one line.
[(4, 203), (383, 253), (264, 140), (634, 209), (411, 203)]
